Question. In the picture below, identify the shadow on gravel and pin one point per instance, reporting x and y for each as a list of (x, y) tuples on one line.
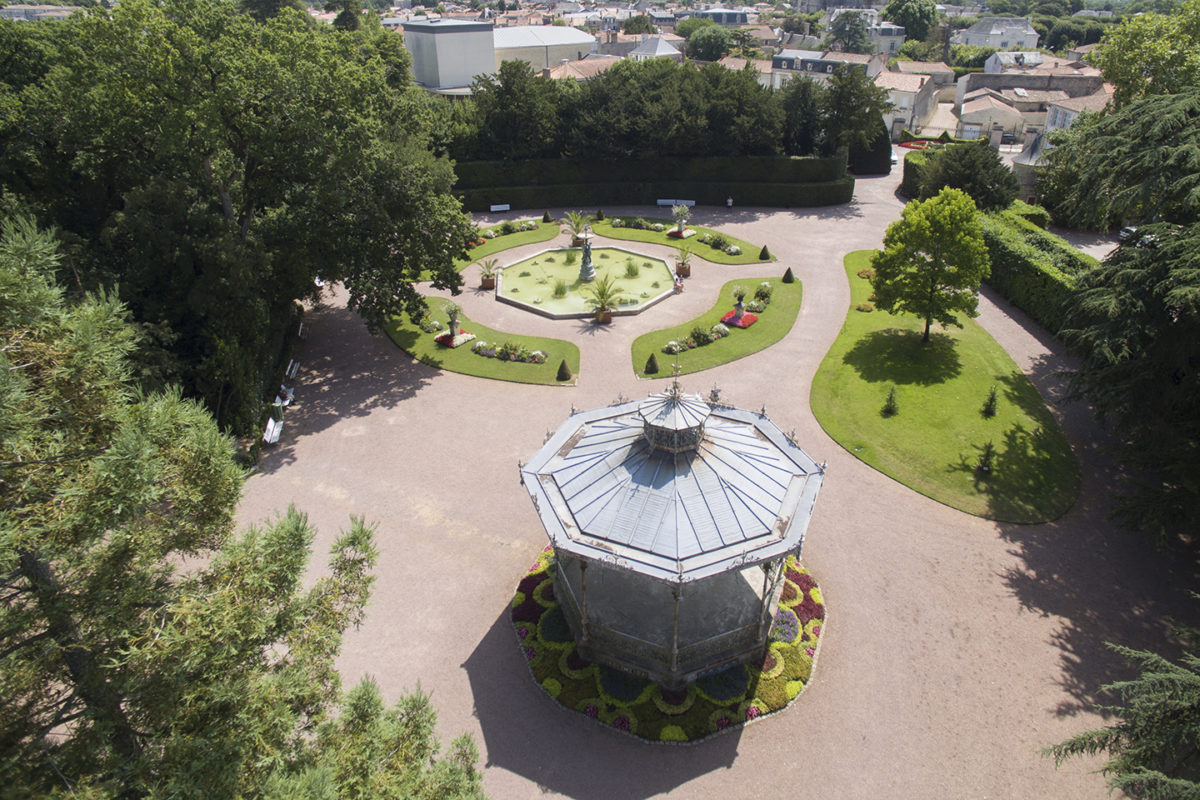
[(345, 372), (527, 733)]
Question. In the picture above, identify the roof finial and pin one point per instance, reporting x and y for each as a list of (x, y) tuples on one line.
[(675, 392)]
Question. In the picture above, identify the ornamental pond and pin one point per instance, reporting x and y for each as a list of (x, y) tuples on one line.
[(547, 283)]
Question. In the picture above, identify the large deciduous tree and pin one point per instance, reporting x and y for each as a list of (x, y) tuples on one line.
[(1152, 54), (1141, 163), (1136, 327), (804, 105), (917, 16), (709, 43), (855, 107), (146, 649), (933, 260), (976, 169), (211, 166)]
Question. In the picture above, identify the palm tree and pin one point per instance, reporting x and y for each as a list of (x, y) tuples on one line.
[(604, 295), (576, 222), (683, 262)]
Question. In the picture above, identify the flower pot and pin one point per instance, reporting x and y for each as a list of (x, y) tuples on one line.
[(739, 309), (604, 317), (487, 282), (576, 241), (683, 270)]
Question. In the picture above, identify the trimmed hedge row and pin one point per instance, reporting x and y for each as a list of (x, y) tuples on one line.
[(1031, 213), (914, 163), (641, 192), (575, 171), (1028, 267)]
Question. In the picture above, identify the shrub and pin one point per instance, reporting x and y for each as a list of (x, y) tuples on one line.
[(599, 213), (866, 273), (701, 335), (617, 223), (1031, 213), (718, 241), (733, 250), (864, 307), (570, 257), (763, 292), (564, 372), (890, 407), (756, 306), (508, 227), (547, 218), (560, 288), (986, 457), (989, 405), (720, 330), (764, 254), (1025, 273), (651, 365), (789, 277), (631, 269)]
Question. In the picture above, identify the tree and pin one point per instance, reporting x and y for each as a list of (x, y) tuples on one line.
[(976, 169), (1141, 163), (123, 674), (1154, 747), (804, 102), (854, 107), (212, 166), (917, 16), (848, 34), (742, 43), (932, 262), (691, 25), (349, 16), (263, 10), (1152, 54), (1135, 325), (637, 24), (709, 43), (518, 114)]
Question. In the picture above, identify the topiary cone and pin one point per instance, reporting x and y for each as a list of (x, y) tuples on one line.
[(547, 218), (564, 372), (764, 254), (651, 365), (788, 277)]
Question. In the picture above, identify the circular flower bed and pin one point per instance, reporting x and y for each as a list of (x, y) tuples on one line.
[(711, 705)]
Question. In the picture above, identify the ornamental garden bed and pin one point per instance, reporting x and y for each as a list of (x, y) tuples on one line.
[(483, 245), (711, 705), (702, 245), (493, 354), (728, 344), (936, 436)]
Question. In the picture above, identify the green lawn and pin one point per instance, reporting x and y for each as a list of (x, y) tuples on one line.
[(935, 442), (544, 232), (420, 345), (749, 253), (773, 324)]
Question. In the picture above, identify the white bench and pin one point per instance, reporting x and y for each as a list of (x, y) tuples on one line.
[(284, 398), (501, 207), (292, 368), (667, 202), (274, 428), (302, 331)]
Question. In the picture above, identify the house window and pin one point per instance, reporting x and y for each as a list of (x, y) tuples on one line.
[(1003, 45)]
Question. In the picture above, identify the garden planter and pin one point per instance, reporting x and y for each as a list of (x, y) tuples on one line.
[(683, 270), (487, 282), (576, 241), (604, 317)]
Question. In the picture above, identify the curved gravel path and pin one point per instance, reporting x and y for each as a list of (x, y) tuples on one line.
[(956, 647)]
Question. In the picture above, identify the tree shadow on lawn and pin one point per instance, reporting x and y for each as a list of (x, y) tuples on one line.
[(528, 733), (1026, 483), (898, 356)]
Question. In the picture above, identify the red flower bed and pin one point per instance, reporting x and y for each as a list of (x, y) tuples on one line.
[(746, 321)]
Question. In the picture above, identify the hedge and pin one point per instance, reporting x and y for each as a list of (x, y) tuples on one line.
[(1026, 267), (581, 194), (574, 171), (876, 159), (914, 163), (1031, 213)]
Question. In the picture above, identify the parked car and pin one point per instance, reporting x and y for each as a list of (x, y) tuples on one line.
[(1126, 232)]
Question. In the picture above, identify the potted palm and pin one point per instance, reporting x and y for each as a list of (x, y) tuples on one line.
[(575, 222), (681, 214), (603, 296), (487, 273), (683, 263)]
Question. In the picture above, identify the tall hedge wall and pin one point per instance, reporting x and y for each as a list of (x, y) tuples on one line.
[(914, 162), (1034, 269), (560, 182)]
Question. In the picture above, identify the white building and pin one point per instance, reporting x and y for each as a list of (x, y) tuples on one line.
[(1002, 33), (655, 47), (447, 54), (913, 97), (540, 46), (1064, 112)]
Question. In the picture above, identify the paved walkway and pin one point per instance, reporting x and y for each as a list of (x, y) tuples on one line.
[(956, 647)]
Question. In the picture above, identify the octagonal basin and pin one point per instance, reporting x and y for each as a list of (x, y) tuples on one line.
[(547, 283)]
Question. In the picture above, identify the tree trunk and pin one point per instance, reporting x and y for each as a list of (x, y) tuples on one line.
[(925, 338), (87, 677)]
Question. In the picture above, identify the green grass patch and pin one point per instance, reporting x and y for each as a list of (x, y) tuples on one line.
[(937, 437), (773, 324), (544, 232), (749, 254), (421, 346)]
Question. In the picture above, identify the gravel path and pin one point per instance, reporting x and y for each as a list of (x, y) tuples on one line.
[(956, 647)]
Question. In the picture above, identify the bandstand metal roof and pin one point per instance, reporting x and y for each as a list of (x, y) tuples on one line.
[(744, 494)]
